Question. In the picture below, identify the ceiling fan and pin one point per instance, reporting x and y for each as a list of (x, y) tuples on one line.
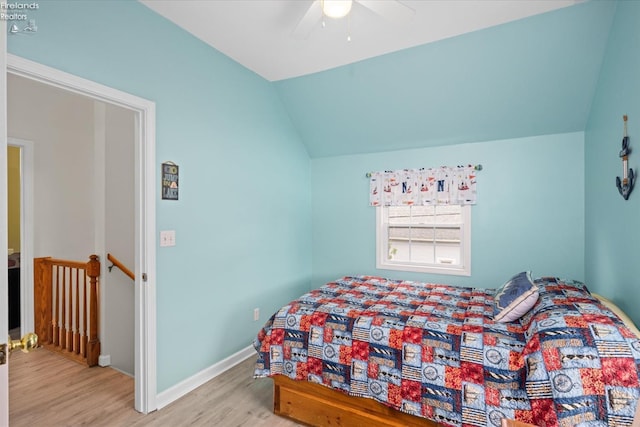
[(393, 10)]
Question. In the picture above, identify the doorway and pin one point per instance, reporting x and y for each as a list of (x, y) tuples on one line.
[(144, 222), (84, 193), (20, 235), (14, 222)]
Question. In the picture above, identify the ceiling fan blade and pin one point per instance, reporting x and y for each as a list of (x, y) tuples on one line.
[(311, 17), (392, 10)]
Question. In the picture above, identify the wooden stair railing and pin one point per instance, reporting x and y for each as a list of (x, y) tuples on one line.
[(66, 301), (117, 263)]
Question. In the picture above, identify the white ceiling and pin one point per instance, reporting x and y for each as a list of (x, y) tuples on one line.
[(258, 33)]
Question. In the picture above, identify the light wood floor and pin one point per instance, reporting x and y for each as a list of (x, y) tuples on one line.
[(46, 389)]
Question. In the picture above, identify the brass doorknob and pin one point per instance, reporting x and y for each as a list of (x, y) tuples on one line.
[(27, 343)]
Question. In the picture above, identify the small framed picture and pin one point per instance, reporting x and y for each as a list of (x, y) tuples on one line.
[(169, 181)]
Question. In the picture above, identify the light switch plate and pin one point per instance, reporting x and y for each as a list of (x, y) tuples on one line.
[(167, 238)]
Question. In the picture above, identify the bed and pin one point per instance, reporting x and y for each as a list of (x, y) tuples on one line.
[(366, 350)]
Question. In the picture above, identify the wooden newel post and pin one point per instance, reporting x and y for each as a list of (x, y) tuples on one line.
[(43, 325), (93, 346)]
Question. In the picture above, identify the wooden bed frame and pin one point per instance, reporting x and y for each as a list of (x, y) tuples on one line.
[(319, 406)]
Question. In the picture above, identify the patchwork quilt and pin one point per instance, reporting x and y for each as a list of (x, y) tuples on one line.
[(434, 351)]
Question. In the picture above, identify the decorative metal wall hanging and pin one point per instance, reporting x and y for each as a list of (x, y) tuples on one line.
[(626, 184)]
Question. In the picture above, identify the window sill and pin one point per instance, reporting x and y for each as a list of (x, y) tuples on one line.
[(446, 269)]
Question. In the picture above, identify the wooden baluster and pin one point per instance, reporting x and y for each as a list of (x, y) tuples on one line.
[(71, 310), (56, 308), (68, 309), (76, 329), (63, 311), (93, 350), (85, 328)]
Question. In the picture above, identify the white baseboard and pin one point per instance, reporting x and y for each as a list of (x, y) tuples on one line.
[(104, 360), (177, 391)]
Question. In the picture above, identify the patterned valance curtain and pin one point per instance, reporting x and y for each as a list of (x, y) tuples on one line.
[(438, 186)]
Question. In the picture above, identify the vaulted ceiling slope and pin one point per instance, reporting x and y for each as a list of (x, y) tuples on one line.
[(263, 35), (534, 76)]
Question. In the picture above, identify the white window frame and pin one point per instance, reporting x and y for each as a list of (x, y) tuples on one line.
[(384, 263)]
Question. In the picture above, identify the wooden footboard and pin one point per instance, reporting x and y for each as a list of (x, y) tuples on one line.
[(320, 406)]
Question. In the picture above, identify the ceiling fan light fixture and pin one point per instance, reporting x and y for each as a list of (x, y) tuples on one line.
[(336, 8)]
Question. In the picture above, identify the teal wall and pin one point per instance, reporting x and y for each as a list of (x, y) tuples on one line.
[(612, 237), (529, 214), (243, 219)]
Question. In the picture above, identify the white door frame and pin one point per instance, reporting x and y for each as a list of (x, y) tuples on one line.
[(4, 324), (145, 195), (26, 233)]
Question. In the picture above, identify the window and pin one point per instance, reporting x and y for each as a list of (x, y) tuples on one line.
[(428, 239)]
